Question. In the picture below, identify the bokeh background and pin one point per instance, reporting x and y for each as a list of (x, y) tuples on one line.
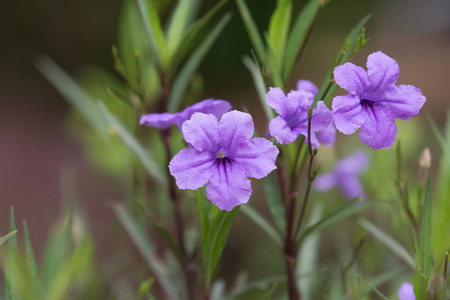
[(36, 144)]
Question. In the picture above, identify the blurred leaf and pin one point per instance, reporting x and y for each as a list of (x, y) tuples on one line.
[(274, 201), (31, 264), (203, 213), (274, 72), (259, 220), (389, 242), (11, 291), (278, 30), (271, 290), (383, 278), (218, 290), (215, 242), (144, 288), (380, 294), (298, 35), (145, 247), (179, 21), (133, 144), (181, 82), (194, 35), (437, 133), (6, 237), (119, 95), (425, 232)]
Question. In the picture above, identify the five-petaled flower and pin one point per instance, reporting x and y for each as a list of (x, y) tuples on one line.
[(374, 101), (165, 120), (222, 155), (345, 175), (293, 116)]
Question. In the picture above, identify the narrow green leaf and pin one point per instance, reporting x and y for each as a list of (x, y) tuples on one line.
[(274, 201), (200, 199), (145, 247), (298, 35), (389, 242), (181, 82), (259, 220), (252, 30), (215, 242), (133, 144), (119, 95), (278, 30), (194, 35), (182, 17), (380, 294), (425, 232), (274, 72), (11, 291), (6, 237), (421, 286), (437, 133), (31, 264), (269, 293)]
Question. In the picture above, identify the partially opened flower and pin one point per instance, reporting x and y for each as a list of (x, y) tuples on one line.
[(293, 116), (406, 291), (222, 155), (374, 101), (345, 176), (165, 120)]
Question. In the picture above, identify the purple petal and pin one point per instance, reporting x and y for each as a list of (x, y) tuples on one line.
[(301, 98), (403, 101), (347, 113), (228, 186), (201, 132), (353, 164), (324, 182), (327, 136), (321, 117), (192, 169), (208, 106), (276, 99), (279, 129), (379, 129), (351, 187), (351, 78), (256, 157), (382, 71), (235, 127), (307, 85), (406, 291), (161, 121)]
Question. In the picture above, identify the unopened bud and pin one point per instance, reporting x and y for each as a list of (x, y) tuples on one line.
[(424, 165)]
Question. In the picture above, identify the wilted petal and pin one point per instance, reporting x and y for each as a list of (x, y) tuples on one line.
[(351, 78), (228, 186), (235, 127), (256, 157), (406, 291), (382, 70), (279, 129), (307, 85), (379, 129), (347, 113), (324, 182), (161, 121), (192, 169), (201, 131), (276, 99), (403, 101)]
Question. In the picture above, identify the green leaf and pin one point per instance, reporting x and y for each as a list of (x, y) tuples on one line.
[(298, 35), (380, 294), (203, 213), (389, 242), (437, 133), (145, 247), (11, 290), (181, 82), (278, 30), (31, 264), (6, 237), (180, 20), (274, 201), (119, 95), (274, 72), (134, 145), (260, 86), (215, 242), (259, 220), (252, 30), (425, 232), (194, 35)]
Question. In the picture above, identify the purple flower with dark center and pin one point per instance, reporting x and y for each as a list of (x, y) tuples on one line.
[(374, 101), (406, 291), (222, 155), (293, 116), (345, 176), (165, 120)]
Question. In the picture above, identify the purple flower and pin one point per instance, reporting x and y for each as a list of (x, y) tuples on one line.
[(293, 116), (165, 120), (374, 101), (222, 155), (406, 291), (345, 175)]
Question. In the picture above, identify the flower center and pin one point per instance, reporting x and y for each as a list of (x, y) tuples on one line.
[(222, 158)]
